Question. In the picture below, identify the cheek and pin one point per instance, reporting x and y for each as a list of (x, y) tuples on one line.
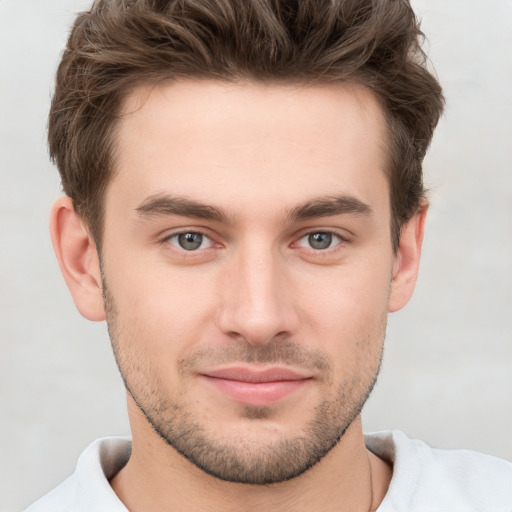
[(347, 294), (159, 308), (346, 311)]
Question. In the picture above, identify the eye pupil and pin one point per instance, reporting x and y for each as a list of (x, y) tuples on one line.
[(320, 240), (190, 241)]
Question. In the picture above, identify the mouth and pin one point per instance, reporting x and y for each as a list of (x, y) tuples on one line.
[(255, 387)]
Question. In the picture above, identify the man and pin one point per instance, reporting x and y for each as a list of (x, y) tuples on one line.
[(244, 207)]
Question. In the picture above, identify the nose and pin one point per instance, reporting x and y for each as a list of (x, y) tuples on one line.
[(257, 302)]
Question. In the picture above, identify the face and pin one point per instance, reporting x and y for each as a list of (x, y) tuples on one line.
[(247, 264)]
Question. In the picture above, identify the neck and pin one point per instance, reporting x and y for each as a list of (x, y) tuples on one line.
[(160, 479)]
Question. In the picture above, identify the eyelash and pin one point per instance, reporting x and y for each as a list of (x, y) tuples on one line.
[(332, 234), (174, 236), (191, 253)]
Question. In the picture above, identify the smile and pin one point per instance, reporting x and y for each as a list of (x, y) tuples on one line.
[(253, 387)]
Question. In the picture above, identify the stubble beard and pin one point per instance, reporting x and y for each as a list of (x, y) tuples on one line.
[(238, 459)]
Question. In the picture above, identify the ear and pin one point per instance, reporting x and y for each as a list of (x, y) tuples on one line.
[(78, 259), (407, 260)]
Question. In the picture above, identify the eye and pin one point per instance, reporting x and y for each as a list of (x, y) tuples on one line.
[(190, 241), (320, 241)]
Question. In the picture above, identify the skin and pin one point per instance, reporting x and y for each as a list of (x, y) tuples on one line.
[(255, 295)]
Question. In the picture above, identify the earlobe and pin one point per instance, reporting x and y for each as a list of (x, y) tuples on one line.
[(78, 259), (407, 260)]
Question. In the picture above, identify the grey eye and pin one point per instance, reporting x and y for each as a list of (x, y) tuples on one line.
[(320, 241), (189, 241)]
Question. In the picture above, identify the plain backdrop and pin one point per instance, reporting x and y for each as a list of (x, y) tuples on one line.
[(447, 374)]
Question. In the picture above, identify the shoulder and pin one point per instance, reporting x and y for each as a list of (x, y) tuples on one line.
[(426, 478), (88, 487)]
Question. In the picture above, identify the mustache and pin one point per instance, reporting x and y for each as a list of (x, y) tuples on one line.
[(276, 352)]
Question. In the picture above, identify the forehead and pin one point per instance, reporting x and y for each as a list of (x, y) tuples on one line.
[(249, 144)]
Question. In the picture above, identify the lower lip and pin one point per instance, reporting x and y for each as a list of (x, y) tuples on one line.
[(256, 393)]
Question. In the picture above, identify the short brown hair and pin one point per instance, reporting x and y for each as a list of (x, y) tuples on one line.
[(121, 44)]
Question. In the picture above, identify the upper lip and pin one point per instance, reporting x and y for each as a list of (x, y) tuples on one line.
[(274, 374)]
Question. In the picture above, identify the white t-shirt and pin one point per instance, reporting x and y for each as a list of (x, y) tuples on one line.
[(424, 479)]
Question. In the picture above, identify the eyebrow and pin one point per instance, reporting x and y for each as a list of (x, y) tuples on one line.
[(163, 205), (329, 207)]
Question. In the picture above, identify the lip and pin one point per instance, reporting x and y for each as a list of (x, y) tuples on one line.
[(254, 386)]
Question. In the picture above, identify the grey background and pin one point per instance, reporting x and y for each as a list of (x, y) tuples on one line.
[(447, 372)]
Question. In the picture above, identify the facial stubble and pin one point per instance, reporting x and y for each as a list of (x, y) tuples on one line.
[(238, 459)]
